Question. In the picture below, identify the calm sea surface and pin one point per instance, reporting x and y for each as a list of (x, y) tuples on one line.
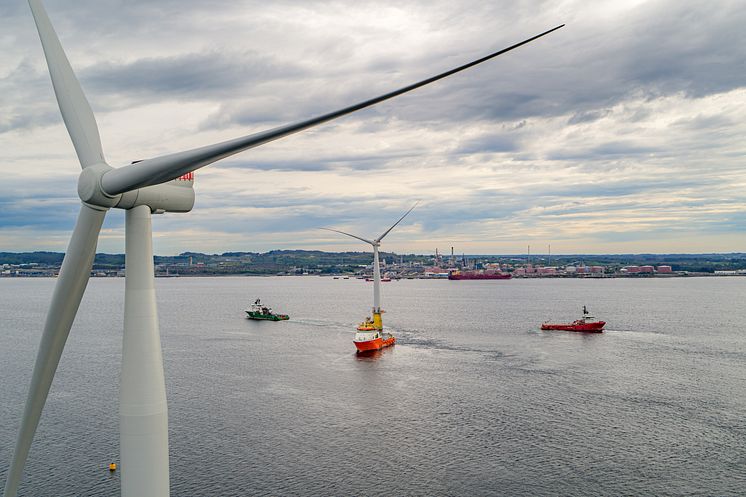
[(473, 399)]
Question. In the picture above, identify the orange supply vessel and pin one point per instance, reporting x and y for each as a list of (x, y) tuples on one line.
[(370, 335), (587, 323)]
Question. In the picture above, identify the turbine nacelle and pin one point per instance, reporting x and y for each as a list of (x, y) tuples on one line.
[(173, 196)]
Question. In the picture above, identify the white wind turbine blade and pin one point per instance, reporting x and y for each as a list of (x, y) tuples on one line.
[(76, 112), (349, 234), (399, 221), (165, 168), (68, 291)]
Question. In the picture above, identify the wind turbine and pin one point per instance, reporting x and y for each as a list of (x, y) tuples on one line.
[(158, 185), (364, 339)]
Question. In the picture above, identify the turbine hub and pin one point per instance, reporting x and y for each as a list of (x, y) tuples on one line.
[(90, 190)]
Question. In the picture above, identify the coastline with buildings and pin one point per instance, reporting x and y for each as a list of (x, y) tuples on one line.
[(394, 266)]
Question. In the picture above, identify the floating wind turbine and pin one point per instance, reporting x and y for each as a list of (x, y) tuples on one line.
[(377, 324), (161, 184)]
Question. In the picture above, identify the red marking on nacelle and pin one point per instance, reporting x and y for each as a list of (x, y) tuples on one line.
[(187, 177)]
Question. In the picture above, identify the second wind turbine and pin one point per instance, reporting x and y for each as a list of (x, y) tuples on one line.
[(370, 335)]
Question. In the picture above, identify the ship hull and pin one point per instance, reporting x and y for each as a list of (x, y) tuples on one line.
[(267, 317), (501, 276), (594, 327), (375, 344)]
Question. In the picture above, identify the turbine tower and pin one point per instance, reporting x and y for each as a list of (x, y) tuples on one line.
[(158, 185), (377, 321)]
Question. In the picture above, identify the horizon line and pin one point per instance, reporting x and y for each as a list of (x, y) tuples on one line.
[(444, 254)]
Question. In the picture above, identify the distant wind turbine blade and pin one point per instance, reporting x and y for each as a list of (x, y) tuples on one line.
[(349, 234), (399, 221), (165, 168), (76, 112), (68, 291)]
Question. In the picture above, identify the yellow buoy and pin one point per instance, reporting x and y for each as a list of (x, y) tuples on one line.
[(113, 466)]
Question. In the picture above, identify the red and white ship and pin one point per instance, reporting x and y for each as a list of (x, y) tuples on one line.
[(370, 336), (587, 323)]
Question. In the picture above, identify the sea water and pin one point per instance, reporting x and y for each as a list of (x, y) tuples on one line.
[(472, 400)]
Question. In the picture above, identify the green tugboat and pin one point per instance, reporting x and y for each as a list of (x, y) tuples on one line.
[(259, 311)]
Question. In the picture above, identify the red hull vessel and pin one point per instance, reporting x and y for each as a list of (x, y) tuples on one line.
[(587, 324), (370, 335), (595, 327), (478, 275), (375, 344)]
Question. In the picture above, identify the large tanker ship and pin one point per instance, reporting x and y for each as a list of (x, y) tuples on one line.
[(486, 274)]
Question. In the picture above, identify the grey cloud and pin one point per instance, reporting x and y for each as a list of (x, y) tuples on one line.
[(704, 122), (280, 165), (657, 50), (489, 143), (302, 216), (44, 213), (691, 47), (327, 163), (26, 110), (733, 222), (622, 148), (588, 116), (604, 151), (623, 187), (194, 75), (349, 206), (27, 118), (663, 49)]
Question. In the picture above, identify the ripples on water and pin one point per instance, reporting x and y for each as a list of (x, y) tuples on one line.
[(473, 399)]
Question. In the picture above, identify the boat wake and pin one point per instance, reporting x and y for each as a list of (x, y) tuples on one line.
[(415, 338)]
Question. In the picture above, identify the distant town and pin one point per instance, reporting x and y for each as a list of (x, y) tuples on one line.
[(395, 266)]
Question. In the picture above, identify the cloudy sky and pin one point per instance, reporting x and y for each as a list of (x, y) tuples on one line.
[(622, 132)]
